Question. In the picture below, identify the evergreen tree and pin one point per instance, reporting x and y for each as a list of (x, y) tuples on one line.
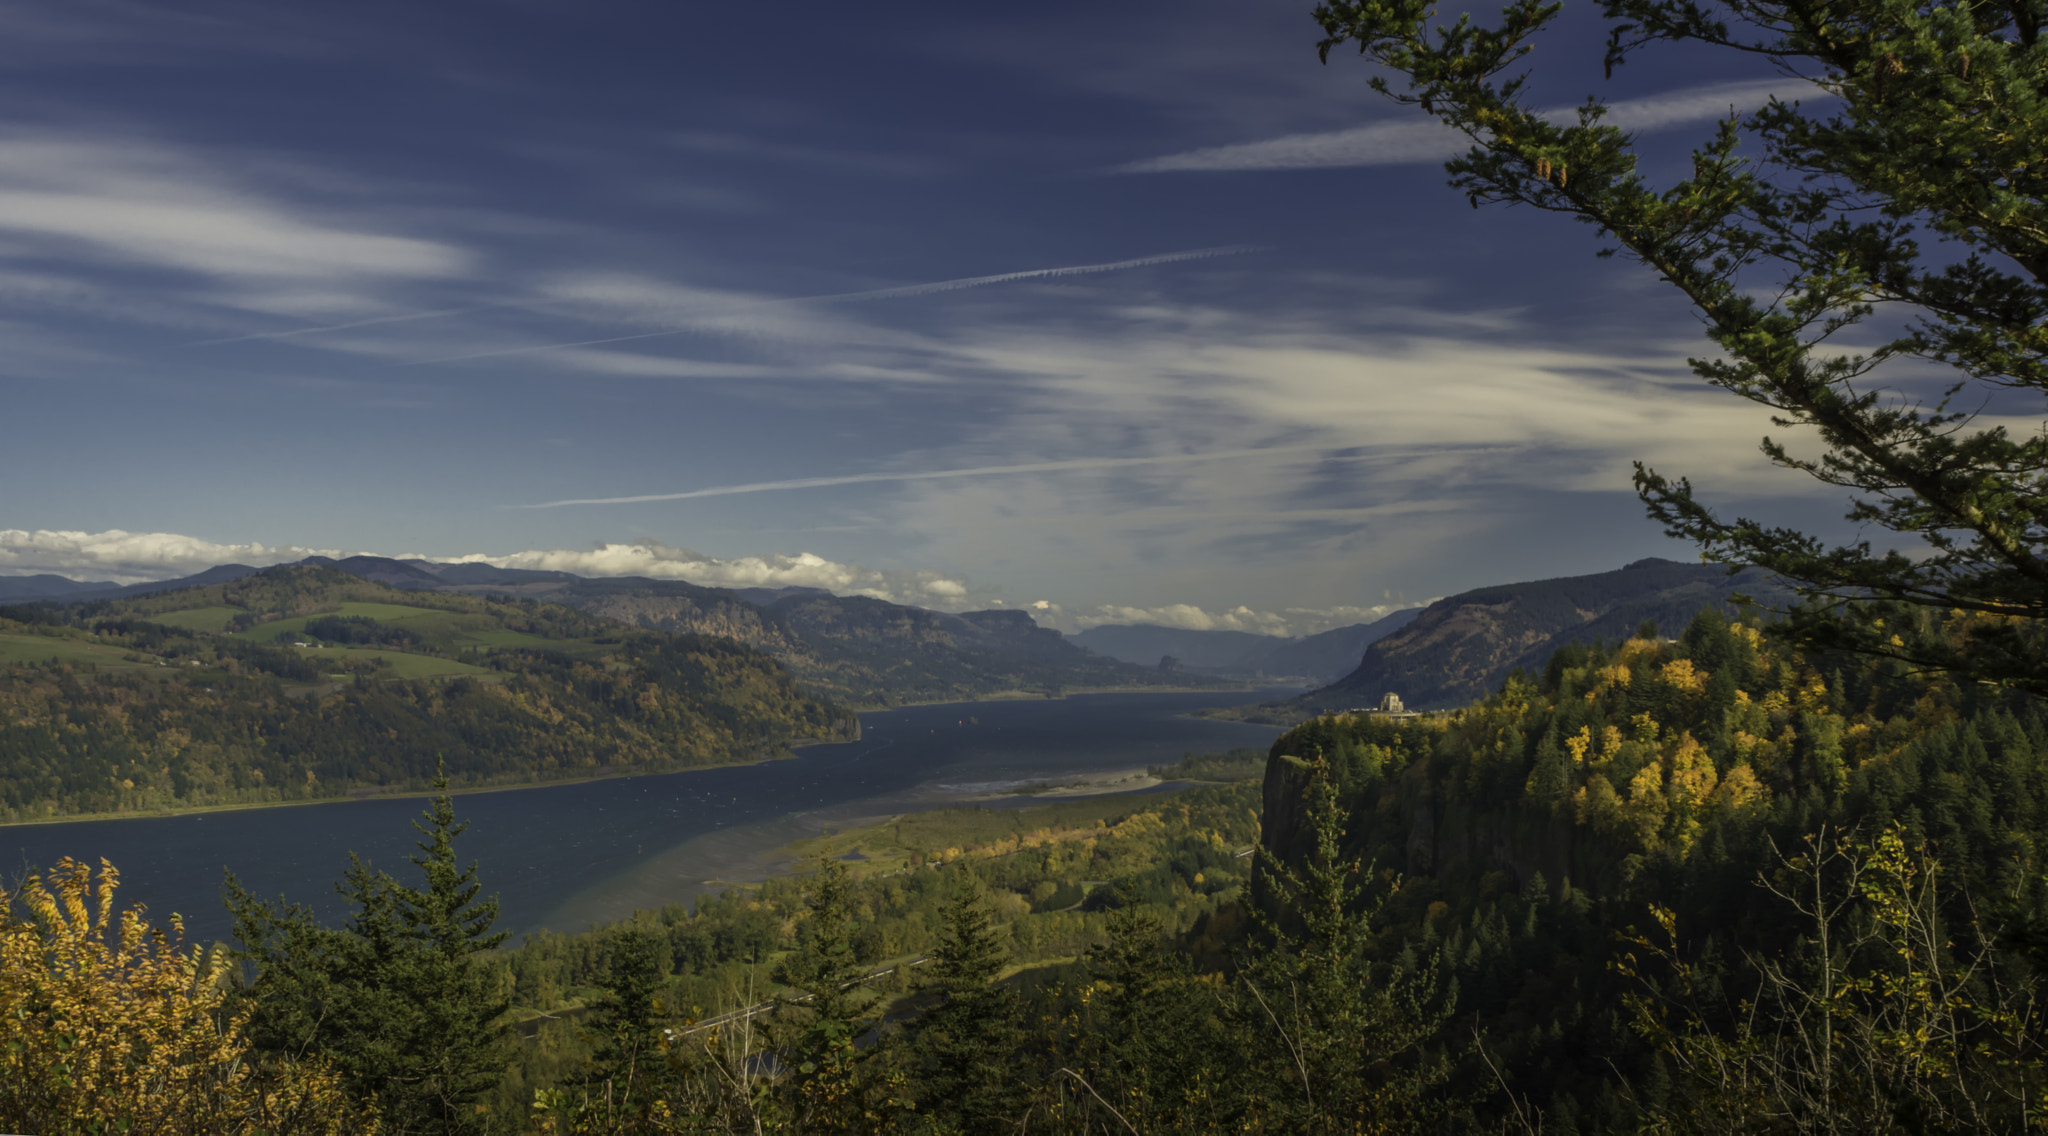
[(397, 999), (828, 1082), (961, 1050), (1786, 249), (1339, 1041)]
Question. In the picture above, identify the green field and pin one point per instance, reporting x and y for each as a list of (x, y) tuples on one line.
[(41, 649), (506, 637), (441, 630), (416, 618)]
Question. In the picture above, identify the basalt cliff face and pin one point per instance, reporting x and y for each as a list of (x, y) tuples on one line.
[(1461, 647), (1414, 827)]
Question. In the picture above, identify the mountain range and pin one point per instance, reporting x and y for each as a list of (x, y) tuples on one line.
[(307, 683), (853, 649), (1461, 647), (1320, 658)]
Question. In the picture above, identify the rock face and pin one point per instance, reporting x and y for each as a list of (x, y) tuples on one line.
[(1461, 647), (1411, 828)]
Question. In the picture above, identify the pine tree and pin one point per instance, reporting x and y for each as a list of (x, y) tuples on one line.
[(631, 1085), (961, 1050), (1920, 197), (397, 1000), (828, 1083), (1340, 1041)]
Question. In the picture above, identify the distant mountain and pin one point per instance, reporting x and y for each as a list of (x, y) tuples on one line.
[(1460, 648), (35, 589), (864, 650), (852, 648), (28, 589), (1146, 643), (1322, 657), (1328, 655), (307, 682)]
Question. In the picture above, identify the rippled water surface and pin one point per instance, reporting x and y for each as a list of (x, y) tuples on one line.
[(563, 856)]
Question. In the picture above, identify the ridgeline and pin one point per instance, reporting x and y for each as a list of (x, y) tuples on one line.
[(308, 683)]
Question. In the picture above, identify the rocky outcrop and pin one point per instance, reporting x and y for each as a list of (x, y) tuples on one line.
[(1461, 647)]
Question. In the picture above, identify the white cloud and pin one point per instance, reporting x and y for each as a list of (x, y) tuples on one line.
[(133, 202), (127, 558), (1284, 623), (919, 587), (1427, 140)]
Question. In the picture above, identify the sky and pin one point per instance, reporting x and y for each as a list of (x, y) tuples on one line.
[(1116, 312)]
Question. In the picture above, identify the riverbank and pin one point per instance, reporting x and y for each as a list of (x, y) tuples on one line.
[(566, 855), (1041, 696), (364, 795), (794, 748)]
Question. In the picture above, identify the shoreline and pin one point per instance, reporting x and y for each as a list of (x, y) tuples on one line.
[(793, 747), (395, 795), (1038, 696)]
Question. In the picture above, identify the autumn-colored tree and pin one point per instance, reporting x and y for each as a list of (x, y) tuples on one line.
[(109, 1025)]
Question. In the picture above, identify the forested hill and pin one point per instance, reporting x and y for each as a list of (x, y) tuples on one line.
[(859, 649), (1536, 829), (1461, 647), (303, 682)]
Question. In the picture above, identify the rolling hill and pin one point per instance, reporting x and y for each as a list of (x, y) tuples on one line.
[(308, 682), (853, 649)]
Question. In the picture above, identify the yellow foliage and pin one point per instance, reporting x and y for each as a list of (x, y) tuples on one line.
[(1692, 772), (1813, 693), (106, 1025), (1646, 807), (1610, 741), (1578, 744), (1617, 675), (1738, 789), (1681, 674)]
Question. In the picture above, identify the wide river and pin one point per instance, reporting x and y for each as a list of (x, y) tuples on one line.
[(565, 856)]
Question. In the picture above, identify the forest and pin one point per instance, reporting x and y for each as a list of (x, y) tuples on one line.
[(268, 690), (1695, 884)]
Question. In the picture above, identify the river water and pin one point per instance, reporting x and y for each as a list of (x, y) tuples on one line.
[(565, 856)]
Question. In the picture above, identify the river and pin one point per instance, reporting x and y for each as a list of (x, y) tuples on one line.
[(565, 856)]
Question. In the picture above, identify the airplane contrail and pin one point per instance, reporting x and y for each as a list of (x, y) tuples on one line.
[(901, 292), (925, 475), (407, 318)]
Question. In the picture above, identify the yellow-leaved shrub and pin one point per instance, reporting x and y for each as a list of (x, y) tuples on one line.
[(107, 1025)]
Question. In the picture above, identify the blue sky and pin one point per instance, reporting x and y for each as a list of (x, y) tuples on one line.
[(1123, 310)]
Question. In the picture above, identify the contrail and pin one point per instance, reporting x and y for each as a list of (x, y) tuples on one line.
[(925, 475), (298, 331), (897, 293)]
